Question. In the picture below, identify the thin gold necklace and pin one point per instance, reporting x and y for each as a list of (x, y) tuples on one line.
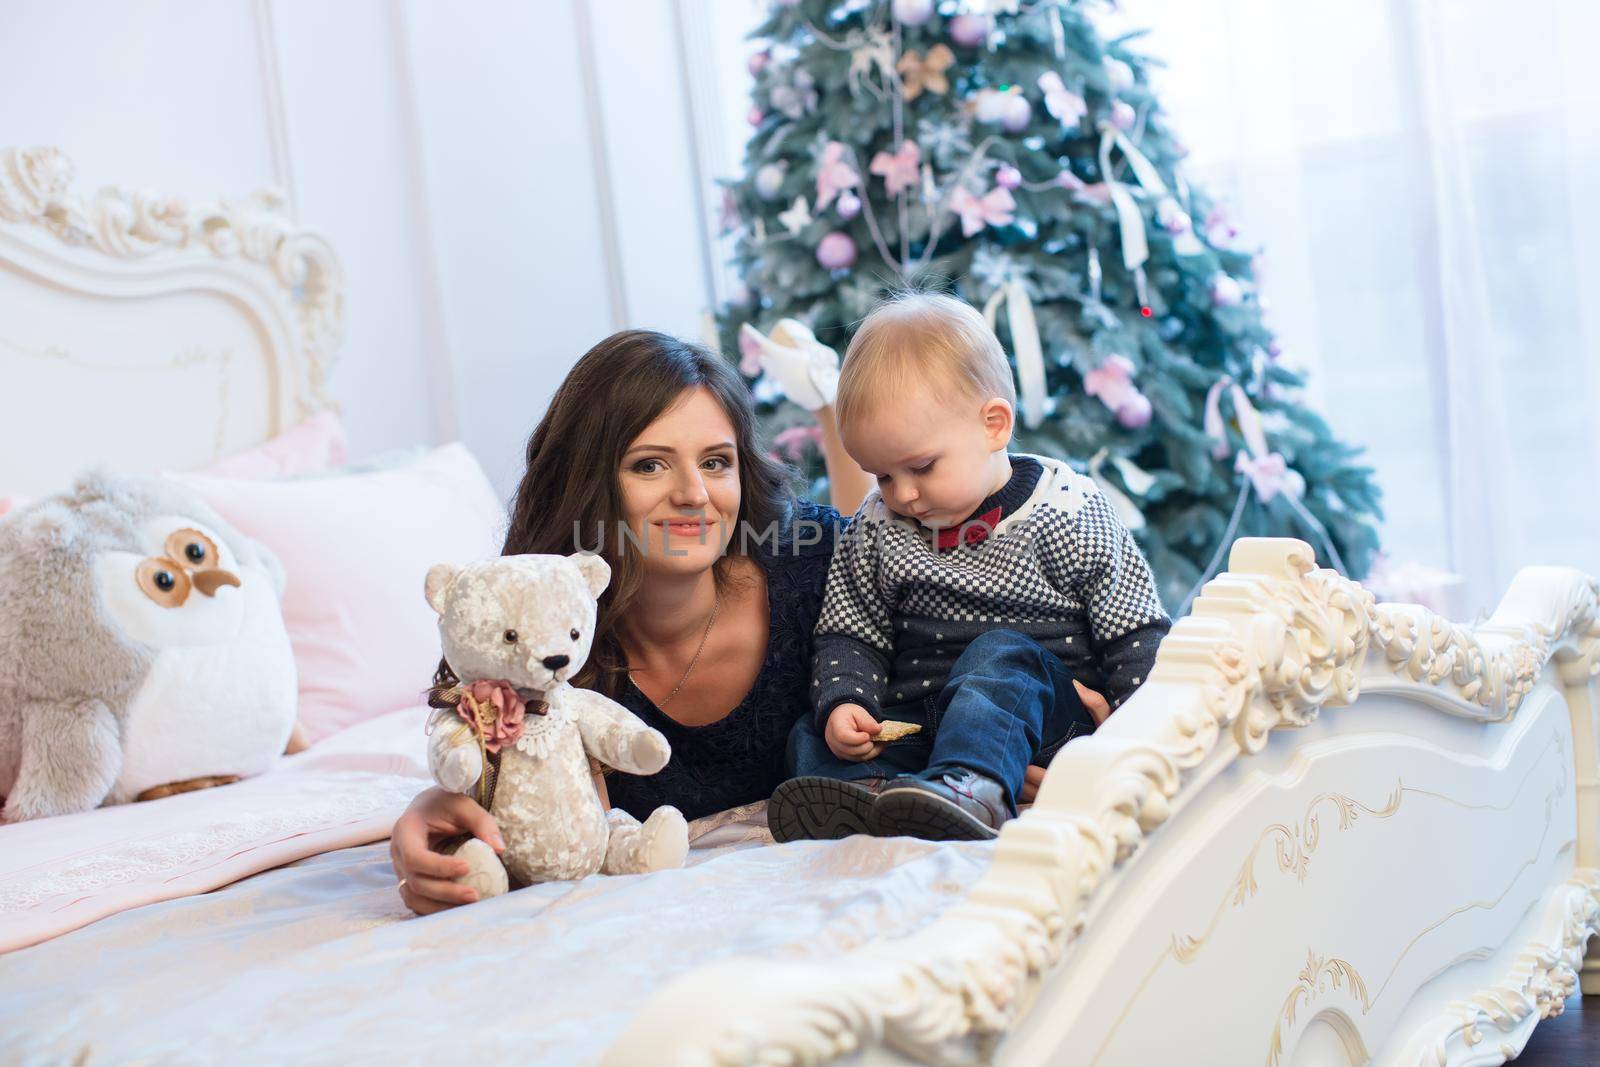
[(716, 605)]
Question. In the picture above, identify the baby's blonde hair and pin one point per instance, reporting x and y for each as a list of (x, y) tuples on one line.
[(922, 340)]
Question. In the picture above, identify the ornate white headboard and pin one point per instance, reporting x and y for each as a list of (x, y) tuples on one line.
[(149, 331)]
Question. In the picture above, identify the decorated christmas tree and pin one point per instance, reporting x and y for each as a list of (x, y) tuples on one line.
[(1009, 152)]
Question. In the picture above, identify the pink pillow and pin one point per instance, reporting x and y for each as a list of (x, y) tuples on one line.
[(356, 549), (313, 446)]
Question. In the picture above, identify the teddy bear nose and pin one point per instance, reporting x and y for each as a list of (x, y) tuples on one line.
[(555, 663)]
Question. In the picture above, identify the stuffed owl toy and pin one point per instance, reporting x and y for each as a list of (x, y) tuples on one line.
[(520, 738), (142, 649)]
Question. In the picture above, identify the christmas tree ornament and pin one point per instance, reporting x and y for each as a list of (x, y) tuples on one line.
[(834, 173), (1119, 74), (755, 116), (1123, 116), (836, 251), (993, 208), (1017, 113), (797, 218), (758, 62), (1134, 414), (769, 181), (872, 52), (1112, 383), (971, 31), (912, 12), (848, 205), (919, 73), (989, 106), (1064, 105), (1226, 291), (799, 97), (1008, 177), (900, 169)]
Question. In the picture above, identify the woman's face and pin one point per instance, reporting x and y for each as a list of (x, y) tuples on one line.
[(680, 486)]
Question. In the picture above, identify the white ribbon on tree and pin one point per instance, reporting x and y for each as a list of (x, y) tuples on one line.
[(1130, 220), (1136, 478), (1025, 346)]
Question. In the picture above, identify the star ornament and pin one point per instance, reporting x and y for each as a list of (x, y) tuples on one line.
[(918, 73), (797, 218)]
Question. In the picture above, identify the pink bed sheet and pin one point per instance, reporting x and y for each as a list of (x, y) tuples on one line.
[(59, 874)]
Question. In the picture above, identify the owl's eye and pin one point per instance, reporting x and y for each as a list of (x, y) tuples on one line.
[(193, 549), (511, 637), (162, 580), (574, 635)]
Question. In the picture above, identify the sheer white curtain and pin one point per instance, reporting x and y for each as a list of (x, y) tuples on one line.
[(1422, 175), (1424, 179)]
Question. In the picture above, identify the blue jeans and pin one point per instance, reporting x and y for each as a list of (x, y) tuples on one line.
[(1007, 703)]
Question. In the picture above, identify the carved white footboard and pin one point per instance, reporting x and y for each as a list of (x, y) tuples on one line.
[(1220, 875)]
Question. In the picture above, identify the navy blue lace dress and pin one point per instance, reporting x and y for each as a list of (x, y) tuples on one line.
[(739, 758)]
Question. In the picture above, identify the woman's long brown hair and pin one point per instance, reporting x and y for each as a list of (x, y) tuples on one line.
[(569, 497)]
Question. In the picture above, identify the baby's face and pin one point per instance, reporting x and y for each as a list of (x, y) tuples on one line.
[(934, 460)]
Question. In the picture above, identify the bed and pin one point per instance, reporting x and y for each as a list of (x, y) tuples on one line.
[(1326, 831)]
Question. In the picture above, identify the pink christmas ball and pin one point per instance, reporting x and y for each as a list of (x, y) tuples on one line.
[(912, 12), (1016, 114), (758, 63), (849, 205), (1123, 116), (1134, 414), (836, 251), (971, 31), (755, 116), (1008, 177)]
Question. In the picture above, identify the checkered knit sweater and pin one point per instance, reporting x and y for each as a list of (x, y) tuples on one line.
[(1045, 556)]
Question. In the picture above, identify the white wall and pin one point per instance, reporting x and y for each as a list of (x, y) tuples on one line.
[(505, 182)]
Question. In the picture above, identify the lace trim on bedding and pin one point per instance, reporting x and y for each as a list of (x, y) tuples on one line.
[(353, 797)]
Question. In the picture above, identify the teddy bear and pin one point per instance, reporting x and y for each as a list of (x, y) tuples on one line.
[(142, 649), (513, 631)]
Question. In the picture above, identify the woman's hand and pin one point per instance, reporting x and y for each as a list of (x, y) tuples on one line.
[(1033, 777), (433, 817)]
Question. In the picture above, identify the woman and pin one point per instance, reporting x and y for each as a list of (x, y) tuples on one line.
[(649, 455)]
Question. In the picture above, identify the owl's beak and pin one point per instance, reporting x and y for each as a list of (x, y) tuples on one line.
[(208, 582)]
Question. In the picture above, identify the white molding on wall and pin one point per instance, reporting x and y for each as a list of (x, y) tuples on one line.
[(701, 91), (605, 186), (272, 95), (438, 365)]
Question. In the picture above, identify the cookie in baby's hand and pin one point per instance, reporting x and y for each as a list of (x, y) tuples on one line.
[(896, 731)]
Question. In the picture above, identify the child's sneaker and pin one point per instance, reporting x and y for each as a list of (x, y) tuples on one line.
[(815, 808), (962, 806)]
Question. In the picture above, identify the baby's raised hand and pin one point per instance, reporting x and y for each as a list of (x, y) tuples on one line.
[(850, 732), (806, 369)]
